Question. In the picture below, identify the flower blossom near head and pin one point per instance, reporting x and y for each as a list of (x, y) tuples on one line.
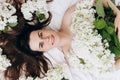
[(37, 7), (4, 62), (7, 17)]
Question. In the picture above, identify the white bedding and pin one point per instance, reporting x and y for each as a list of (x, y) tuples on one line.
[(58, 8)]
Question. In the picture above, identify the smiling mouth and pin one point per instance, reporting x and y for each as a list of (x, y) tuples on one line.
[(52, 39)]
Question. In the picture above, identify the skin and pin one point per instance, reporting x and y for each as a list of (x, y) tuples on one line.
[(63, 37), (45, 39)]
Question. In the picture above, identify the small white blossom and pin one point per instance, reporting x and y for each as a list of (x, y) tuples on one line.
[(7, 12), (2, 25), (4, 62), (32, 7), (56, 73), (12, 19), (88, 52)]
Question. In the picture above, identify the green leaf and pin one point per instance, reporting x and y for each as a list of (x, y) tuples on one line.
[(115, 50), (118, 7), (5, 29), (81, 61), (113, 1), (41, 16), (100, 24), (12, 24), (116, 40), (105, 35), (110, 24), (100, 8), (110, 30)]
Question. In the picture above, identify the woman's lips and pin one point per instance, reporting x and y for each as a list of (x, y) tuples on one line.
[(52, 39)]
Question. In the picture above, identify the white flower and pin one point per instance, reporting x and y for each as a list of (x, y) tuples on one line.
[(57, 72), (32, 7), (4, 62), (7, 12), (2, 25), (92, 55), (12, 19), (28, 15)]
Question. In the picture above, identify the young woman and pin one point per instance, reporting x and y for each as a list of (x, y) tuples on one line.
[(42, 40), (29, 44), (45, 39)]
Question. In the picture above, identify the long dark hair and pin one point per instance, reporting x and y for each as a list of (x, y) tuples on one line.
[(15, 46)]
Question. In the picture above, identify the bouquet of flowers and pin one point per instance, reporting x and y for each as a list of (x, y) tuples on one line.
[(89, 53)]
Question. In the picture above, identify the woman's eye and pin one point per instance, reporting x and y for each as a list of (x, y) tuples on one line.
[(41, 45), (41, 34)]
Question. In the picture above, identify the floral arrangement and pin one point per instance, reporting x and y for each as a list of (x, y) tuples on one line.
[(88, 52), (37, 7), (7, 17)]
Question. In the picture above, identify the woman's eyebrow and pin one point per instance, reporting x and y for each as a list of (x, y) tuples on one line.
[(39, 42), (39, 45), (38, 34)]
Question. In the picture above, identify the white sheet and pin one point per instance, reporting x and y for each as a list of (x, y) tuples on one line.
[(58, 8)]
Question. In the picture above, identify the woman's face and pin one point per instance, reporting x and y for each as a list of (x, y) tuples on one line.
[(43, 40)]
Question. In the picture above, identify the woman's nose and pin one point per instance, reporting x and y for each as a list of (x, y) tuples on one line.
[(45, 39)]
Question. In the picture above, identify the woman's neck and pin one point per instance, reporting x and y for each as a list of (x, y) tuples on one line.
[(64, 39)]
